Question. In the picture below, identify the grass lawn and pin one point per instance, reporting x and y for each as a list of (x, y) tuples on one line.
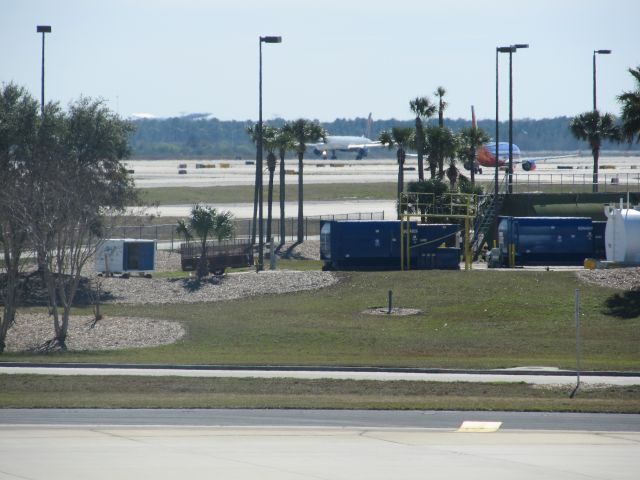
[(244, 193), (44, 391), (477, 319)]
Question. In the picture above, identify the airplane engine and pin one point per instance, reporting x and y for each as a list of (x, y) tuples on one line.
[(317, 151), (528, 166)]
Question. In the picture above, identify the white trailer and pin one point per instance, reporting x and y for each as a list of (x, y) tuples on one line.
[(124, 256)]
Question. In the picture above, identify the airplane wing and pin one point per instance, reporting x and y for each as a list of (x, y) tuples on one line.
[(364, 145)]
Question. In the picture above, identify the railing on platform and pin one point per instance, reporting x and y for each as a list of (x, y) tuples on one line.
[(575, 182)]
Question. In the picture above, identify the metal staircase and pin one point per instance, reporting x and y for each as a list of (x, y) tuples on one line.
[(487, 211)]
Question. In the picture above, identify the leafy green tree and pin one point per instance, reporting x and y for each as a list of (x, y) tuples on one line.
[(303, 131), (630, 115), (19, 128), (285, 143), (594, 128), (70, 180), (398, 137), (423, 110), (469, 140)]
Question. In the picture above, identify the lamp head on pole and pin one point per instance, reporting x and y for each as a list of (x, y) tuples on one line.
[(520, 45), (43, 29), (602, 52), (271, 39), (504, 49)]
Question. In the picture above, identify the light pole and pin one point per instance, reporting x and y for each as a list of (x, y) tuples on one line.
[(42, 29), (512, 50), (268, 39), (599, 52), (497, 150)]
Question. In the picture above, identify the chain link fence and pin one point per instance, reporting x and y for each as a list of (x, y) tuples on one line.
[(167, 232)]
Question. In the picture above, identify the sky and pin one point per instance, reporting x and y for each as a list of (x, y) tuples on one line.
[(337, 59)]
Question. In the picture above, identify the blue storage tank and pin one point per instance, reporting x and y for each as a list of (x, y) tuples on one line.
[(375, 245), (546, 240)]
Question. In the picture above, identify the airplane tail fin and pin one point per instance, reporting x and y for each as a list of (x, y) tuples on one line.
[(367, 132)]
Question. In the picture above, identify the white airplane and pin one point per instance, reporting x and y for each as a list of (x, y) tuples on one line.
[(342, 143)]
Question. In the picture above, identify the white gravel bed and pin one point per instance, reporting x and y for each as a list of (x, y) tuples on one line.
[(136, 290), (620, 278), (30, 331)]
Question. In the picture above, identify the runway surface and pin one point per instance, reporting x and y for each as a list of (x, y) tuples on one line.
[(324, 445)]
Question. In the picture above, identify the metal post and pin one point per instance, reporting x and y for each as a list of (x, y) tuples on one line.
[(259, 168), (510, 173), (497, 129), (594, 81), (576, 310), (42, 29)]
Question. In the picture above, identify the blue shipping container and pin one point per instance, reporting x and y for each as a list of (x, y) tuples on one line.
[(375, 245), (546, 240)]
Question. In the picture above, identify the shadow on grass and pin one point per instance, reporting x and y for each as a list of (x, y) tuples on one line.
[(625, 305)]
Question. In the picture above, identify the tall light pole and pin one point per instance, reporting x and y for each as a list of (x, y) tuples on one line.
[(42, 29), (268, 39), (599, 52), (512, 50), (497, 150)]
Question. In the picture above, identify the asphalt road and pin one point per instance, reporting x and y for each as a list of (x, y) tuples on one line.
[(318, 418)]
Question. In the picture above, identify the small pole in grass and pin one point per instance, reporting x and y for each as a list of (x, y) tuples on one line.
[(577, 319), (390, 302)]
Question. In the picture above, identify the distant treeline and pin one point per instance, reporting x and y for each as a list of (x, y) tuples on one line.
[(196, 136)]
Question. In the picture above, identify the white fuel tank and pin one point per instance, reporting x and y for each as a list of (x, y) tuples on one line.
[(622, 234)]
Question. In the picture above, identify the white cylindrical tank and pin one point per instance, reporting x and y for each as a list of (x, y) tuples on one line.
[(622, 234)]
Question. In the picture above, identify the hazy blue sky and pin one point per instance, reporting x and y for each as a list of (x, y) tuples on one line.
[(339, 58)]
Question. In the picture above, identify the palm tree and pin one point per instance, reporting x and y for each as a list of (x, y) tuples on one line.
[(285, 142), (400, 137), (182, 229), (423, 109), (630, 115), (440, 145), (469, 140), (303, 131), (269, 142), (440, 92), (594, 128), (205, 222)]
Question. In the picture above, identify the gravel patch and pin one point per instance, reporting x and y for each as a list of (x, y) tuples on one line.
[(620, 278), (31, 330), (137, 290)]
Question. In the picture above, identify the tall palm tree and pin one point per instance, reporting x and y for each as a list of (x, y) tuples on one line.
[(285, 142), (423, 109), (630, 115), (269, 141), (398, 137), (303, 132), (442, 105), (594, 128), (440, 145), (469, 140)]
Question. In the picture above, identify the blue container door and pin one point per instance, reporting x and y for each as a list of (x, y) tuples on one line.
[(146, 253)]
